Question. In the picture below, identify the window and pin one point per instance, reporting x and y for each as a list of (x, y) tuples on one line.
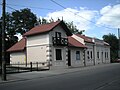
[(58, 34), (58, 54), (105, 54), (77, 55), (91, 55), (88, 54), (98, 55)]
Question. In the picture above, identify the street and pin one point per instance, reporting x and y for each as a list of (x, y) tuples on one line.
[(106, 77)]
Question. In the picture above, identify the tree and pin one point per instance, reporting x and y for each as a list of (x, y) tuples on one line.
[(23, 20), (70, 25), (17, 22), (73, 28), (44, 21), (113, 41), (10, 37)]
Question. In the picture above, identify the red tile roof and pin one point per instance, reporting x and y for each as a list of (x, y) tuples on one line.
[(73, 42), (46, 28), (86, 38), (37, 30), (19, 46)]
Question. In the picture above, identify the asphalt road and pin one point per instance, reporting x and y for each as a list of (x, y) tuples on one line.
[(97, 78)]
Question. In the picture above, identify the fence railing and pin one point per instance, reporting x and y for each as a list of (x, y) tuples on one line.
[(26, 67)]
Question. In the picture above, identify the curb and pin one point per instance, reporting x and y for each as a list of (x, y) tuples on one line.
[(8, 81)]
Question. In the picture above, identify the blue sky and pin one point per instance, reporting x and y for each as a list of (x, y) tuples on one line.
[(96, 17)]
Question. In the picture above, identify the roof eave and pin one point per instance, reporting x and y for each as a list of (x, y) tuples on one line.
[(28, 35), (20, 50)]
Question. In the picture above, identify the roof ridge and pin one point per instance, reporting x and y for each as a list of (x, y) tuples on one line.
[(41, 28), (73, 43)]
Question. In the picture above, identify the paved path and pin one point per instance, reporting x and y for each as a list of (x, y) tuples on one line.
[(42, 74)]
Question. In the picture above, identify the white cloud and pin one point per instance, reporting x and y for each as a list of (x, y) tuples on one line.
[(105, 10), (110, 15), (80, 17)]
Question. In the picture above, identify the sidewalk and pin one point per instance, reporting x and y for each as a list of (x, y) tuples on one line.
[(42, 74)]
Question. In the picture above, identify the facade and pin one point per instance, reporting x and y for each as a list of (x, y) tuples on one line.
[(97, 51), (54, 43)]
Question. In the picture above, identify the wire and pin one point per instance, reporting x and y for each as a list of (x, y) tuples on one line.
[(80, 16), (11, 8), (30, 7), (58, 4)]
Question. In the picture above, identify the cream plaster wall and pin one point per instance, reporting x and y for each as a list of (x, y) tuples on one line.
[(36, 54), (17, 57), (41, 39)]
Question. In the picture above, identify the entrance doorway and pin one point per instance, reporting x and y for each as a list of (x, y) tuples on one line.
[(69, 58)]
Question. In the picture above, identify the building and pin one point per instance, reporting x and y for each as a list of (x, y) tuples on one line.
[(54, 43), (97, 52)]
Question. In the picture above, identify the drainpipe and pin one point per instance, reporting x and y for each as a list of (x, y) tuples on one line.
[(84, 57), (94, 54), (94, 48), (26, 51)]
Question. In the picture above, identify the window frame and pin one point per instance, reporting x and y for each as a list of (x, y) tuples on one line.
[(105, 55), (58, 34), (77, 55), (91, 54), (98, 56), (58, 53), (88, 54)]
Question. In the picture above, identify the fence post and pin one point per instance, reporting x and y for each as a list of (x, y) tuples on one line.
[(37, 65), (31, 66)]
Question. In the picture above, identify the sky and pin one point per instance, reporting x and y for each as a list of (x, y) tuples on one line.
[(96, 17)]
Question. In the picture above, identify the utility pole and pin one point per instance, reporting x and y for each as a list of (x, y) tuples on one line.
[(119, 43), (3, 42)]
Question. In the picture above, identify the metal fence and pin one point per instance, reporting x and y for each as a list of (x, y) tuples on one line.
[(26, 67)]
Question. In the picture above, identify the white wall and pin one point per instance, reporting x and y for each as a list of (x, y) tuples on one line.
[(107, 49), (100, 50), (78, 38), (17, 57), (57, 29), (90, 48), (74, 62), (58, 63)]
